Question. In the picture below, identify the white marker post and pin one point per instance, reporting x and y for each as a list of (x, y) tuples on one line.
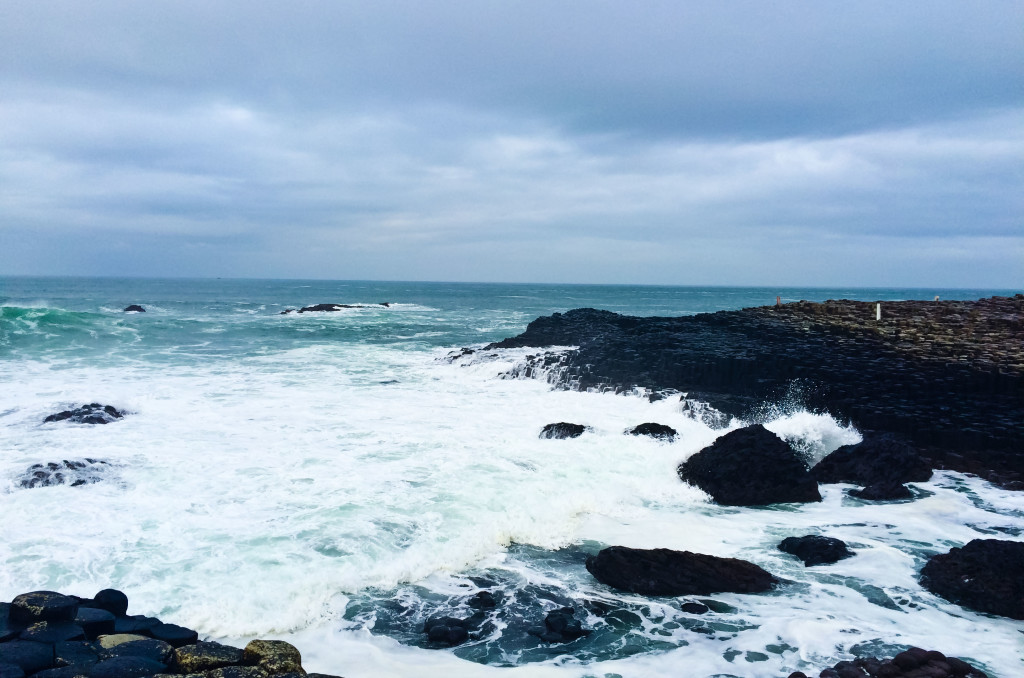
[(878, 311)]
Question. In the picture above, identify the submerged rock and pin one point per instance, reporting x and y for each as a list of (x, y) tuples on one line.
[(562, 430), (880, 460), (664, 572), (93, 413), (885, 491), (134, 308), (654, 430), (750, 467), (72, 472), (815, 549), (448, 631), (986, 575), (560, 626)]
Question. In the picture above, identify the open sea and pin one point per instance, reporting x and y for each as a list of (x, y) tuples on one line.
[(331, 479)]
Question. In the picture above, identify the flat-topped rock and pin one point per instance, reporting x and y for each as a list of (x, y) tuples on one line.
[(39, 606)]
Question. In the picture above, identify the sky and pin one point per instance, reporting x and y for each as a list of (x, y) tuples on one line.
[(652, 142)]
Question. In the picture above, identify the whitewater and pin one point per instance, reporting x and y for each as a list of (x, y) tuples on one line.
[(335, 479)]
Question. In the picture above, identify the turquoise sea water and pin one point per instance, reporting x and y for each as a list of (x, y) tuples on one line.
[(333, 479)]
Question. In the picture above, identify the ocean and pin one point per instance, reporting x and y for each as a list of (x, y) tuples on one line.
[(336, 479)]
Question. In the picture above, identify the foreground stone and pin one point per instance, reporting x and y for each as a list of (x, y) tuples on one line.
[(750, 467), (664, 572), (947, 376), (986, 575), (912, 663), (562, 430), (93, 413), (44, 634), (814, 549)]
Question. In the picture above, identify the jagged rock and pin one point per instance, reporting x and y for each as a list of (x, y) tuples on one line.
[(560, 626), (986, 575), (884, 491), (95, 622), (874, 461), (206, 656), (448, 631), (126, 667), (273, 656), (93, 413), (72, 472), (38, 606), (178, 636), (30, 656), (53, 632), (654, 430), (562, 430), (113, 601), (815, 549), (134, 308), (664, 572), (750, 467)]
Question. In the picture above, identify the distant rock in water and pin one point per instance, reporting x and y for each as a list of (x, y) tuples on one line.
[(664, 572), (912, 663), (874, 461), (73, 472), (815, 549), (986, 575), (889, 490), (93, 413), (327, 308), (750, 467), (134, 308), (660, 431), (562, 430)]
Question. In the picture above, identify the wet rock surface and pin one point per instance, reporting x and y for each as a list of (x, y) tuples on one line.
[(73, 472), (654, 430), (986, 575), (664, 572), (330, 308), (912, 663), (51, 635), (134, 308), (947, 376), (884, 491), (816, 549), (877, 460), (562, 430), (750, 466), (93, 413)]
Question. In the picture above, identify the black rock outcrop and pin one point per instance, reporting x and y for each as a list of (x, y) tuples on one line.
[(560, 626), (750, 467), (654, 430), (72, 472), (93, 413), (815, 549), (884, 491), (877, 460), (134, 308), (562, 430), (329, 308), (664, 572), (911, 663), (986, 575)]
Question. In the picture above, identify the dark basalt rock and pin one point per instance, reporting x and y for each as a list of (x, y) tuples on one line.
[(95, 622), (815, 549), (448, 631), (31, 657), (126, 667), (664, 572), (986, 575), (694, 608), (75, 653), (148, 648), (750, 467), (113, 601), (140, 624), (93, 413), (61, 672), (40, 606), (276, 657), (134, 308), (912, 663), (562, 430), (11, 671), (884, 491), (53, 632), (654, 430), (206, 656), (74, 472), (9, 628), (560, 626), (874, 461), (328, 308), (244, 672), (178, 636)]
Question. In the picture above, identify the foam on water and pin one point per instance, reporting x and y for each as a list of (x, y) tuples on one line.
[(306, 478)]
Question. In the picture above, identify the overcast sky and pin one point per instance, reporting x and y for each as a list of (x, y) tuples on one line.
[(679, 142)]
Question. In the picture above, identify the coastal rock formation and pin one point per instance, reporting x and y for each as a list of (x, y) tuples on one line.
[(986, 575), (815, 549), (562, 430), (750, 467), (93, 413), (885, 491), (560, 626), (948, 376), (654, 430), (327, 308), (134, 308), (45, 634), (911, 663), (877, 460), (664, 572), (72, 472)]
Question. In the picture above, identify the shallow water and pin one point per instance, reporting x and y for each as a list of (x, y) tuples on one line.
[(333, 480)]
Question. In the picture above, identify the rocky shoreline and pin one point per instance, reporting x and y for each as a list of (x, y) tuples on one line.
[(945, 376)]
